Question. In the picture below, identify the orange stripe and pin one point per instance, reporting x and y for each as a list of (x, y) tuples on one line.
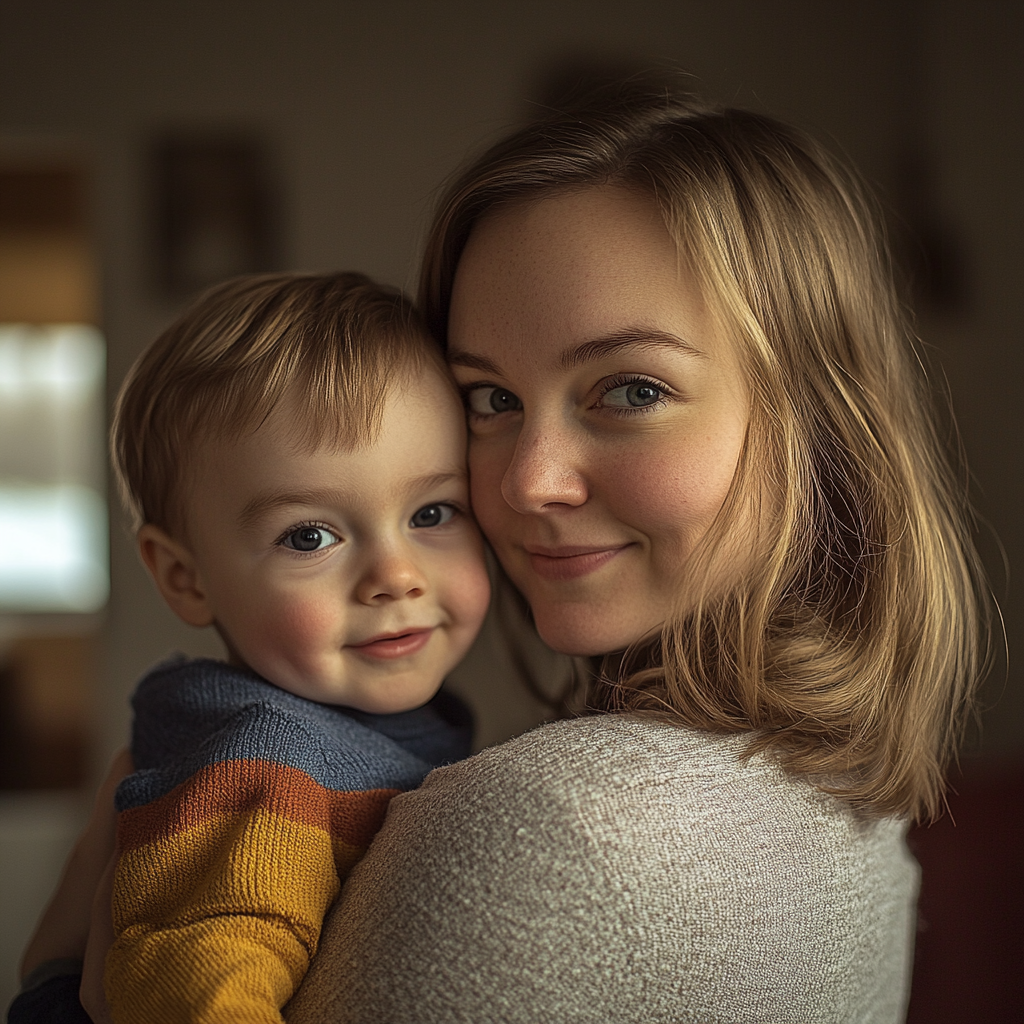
[(232, 787)]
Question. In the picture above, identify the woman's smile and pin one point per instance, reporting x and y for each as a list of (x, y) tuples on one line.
[(571, 562), (606, 412)]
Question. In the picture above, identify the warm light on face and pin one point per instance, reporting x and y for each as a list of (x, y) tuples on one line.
[(606, 414), (347, 577)]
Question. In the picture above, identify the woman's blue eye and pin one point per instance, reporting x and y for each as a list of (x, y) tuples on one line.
[(637, 395), (309, 538), (432, 515), (490, 401)]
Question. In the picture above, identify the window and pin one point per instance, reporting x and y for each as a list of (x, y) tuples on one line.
[(53, 517), (54, 575)]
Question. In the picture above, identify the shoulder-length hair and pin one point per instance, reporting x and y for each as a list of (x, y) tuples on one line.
[(855, 638)]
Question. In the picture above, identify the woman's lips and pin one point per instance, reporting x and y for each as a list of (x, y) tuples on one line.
[(395, 645), (570, 563)]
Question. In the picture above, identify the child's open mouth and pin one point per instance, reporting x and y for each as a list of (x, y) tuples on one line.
[(395, 645)]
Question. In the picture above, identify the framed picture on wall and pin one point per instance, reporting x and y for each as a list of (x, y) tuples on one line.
[(215, 210)]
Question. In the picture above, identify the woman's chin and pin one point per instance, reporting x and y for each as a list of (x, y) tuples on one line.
[(580, 633)]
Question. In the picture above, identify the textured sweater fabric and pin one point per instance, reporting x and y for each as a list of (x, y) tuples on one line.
[(617, 869), (248, 808)]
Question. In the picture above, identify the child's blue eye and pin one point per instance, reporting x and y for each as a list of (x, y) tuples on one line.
[(309, 538), (432, 515), (635, 395)]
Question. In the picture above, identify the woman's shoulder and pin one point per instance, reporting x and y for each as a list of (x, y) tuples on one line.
[(620, 868), (598, 757), (633, 796), (637, 766)]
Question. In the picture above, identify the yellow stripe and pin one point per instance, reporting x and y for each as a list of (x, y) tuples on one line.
[(206, 973), (218, 922), (257, 863)]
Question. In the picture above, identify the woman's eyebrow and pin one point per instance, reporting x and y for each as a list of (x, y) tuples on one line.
[(631, 337), (474, 362)]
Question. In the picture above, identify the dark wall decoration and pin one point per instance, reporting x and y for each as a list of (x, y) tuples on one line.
[(215, 211)]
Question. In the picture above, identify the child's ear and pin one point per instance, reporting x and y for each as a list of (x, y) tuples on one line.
[(176, 575)]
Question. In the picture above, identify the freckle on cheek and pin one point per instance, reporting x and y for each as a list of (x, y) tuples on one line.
[(665, 491)]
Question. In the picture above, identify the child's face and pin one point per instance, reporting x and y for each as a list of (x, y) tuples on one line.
[(347, 577)]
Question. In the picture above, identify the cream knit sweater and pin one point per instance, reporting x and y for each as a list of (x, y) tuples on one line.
[(612, 869)]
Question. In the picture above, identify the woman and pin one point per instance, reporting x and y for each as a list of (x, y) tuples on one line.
[(702, 450)]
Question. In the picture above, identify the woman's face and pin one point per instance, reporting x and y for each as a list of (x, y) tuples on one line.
[(606, 414)]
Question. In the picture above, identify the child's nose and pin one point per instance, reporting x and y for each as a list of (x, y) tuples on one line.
[(391, 576)]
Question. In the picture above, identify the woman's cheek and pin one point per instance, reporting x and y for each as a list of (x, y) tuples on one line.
[(673, 496), (487, 467)]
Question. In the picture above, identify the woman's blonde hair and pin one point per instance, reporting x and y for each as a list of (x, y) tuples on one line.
[(856, 637)]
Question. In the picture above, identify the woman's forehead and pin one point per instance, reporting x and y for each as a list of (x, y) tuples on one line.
[(575, 267), (574, 228)]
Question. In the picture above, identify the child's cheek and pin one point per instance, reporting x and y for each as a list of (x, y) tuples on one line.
[(303, 626), (472, 594)]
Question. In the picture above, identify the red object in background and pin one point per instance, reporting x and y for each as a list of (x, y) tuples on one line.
[(969, 961)]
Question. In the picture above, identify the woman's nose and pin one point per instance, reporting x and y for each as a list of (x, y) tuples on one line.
[(544, 473), (390, 576)]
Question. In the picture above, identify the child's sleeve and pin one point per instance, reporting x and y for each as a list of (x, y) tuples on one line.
[(221, 887)]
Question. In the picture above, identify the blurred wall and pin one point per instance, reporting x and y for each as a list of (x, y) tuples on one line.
[(366, 108)]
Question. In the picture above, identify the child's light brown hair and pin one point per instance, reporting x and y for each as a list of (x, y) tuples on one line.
[(339, 341), (852, 647)]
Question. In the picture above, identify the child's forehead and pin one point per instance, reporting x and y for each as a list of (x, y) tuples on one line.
[(418, 430)]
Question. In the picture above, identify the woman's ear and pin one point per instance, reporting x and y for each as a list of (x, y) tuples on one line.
[(176, 575)]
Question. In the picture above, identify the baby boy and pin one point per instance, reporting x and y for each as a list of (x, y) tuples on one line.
[(294, 453)]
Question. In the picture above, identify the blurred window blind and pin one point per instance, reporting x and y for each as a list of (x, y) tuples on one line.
[(53, 514)]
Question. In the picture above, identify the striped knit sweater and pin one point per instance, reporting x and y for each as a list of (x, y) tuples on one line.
[(248, 808)]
